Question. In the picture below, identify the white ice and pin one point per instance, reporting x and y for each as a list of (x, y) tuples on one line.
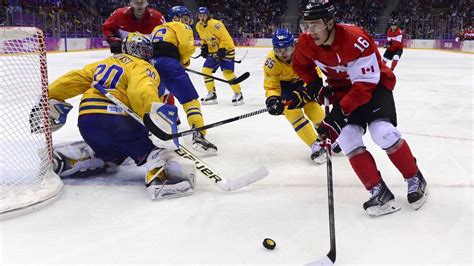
[(111, 220)]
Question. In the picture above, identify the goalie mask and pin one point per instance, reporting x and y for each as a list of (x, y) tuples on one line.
[(138, 45)]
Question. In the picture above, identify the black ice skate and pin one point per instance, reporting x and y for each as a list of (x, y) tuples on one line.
[(210, 99), (202, 144), (381, 201), (238, 99), (417, 192)]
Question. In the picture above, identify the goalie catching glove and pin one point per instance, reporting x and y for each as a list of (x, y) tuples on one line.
[(57, 114)]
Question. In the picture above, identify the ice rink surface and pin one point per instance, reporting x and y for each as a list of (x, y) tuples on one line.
[(110, 220)]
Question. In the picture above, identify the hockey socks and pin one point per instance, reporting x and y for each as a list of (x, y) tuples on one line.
[(403, 159), (394, 64), (365, 168)]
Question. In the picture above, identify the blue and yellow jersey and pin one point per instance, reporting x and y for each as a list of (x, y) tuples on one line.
[(276, 71), (179, 35), (130, 79), (216, 36)]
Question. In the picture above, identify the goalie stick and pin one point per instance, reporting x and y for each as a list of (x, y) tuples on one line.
[(222, 182), (161, 134), (233, 81), (330, 258)]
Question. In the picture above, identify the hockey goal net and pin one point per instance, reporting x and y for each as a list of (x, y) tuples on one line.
[(27, 181)]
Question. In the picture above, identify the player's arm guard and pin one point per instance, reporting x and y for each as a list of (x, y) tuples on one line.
[(164, 116), (58, 111)]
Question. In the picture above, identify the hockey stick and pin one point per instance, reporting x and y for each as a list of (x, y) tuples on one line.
[(235, 61), (243, 57), (223, 183), (165, 136), (233, 81), (330, 258)]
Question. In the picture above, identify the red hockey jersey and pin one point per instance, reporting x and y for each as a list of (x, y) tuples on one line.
[(396, 38), (352, 65), (123, 20)]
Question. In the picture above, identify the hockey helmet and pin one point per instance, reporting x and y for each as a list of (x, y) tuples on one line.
[(282, 38), (283, 44), (203, 10), (178, 11), (319, 9), (138, 45)]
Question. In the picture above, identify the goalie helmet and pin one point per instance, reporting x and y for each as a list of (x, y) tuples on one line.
[(138, 45), (319, 9)]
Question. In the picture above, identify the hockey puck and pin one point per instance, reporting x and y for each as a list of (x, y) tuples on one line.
[(268, 243)]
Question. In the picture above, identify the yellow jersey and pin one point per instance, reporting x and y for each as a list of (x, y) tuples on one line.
[(215, 36), (130, 79), (276, 71), (179, 35)]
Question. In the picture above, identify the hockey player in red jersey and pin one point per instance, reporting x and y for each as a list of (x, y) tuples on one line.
[(394, 44), (136, 17), (360, 88)]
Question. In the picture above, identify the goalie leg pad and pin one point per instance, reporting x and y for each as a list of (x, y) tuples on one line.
[(76, 159), (169, 176)]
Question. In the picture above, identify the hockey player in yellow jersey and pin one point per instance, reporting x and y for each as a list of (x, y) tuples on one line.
[(287, 95), (219, 51), (110, 135), (173, 45)]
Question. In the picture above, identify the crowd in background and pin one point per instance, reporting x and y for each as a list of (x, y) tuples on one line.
[(420, 19), (430, 19), (248, 18)]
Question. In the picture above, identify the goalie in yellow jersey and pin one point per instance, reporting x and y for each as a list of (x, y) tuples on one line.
[(286, 94), (219, 51), (111, 135)]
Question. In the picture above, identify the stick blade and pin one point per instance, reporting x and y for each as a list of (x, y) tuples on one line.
[(240, 78), (245, 179), (326, 261)]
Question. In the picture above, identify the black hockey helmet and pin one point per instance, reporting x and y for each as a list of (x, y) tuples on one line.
[(319, 9)]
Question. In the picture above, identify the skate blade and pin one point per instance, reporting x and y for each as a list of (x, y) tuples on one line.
[(387, 208), (417, 204), (238, 103), (198, 147), (209, 102), (320, 160)]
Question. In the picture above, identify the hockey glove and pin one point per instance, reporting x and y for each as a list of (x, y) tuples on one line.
[(204, 51), (58, 111), (275, 105), (313, 88), (295, 98), (324, 92), (115, 44), (221, 54), (332, 125)]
